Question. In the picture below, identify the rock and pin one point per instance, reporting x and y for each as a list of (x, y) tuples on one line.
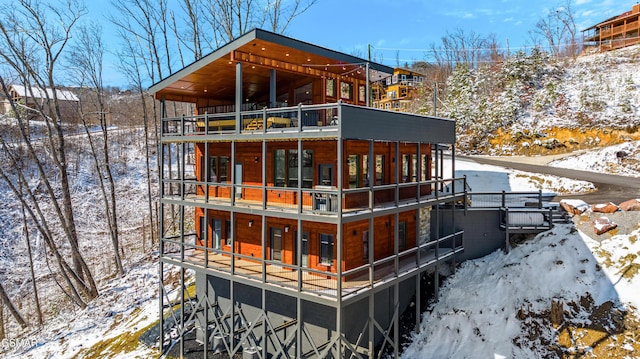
[(630, 205), (574, 206), (602, 225), (604, 208)]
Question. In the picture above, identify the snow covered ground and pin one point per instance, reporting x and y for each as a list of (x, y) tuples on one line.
[(488, 308), (477, 314), (484, 308), (605, 160)]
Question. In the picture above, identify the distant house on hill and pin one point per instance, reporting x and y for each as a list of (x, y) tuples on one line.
[(395, 92), (34, 96), (616, 32)]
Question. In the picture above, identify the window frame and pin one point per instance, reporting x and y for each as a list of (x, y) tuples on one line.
[(327, 243), (285, 163)]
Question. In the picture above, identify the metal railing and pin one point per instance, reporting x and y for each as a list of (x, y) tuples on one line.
[(284, 119), (509, 199), (320, 200), (185, 249)]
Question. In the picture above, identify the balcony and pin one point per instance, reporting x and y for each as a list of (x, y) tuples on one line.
[(185, 252), (277, 120), (332, 120), (320, 200)]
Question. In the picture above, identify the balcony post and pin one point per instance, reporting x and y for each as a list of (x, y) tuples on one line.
[(238, 96), (272, 88), (299, 117)]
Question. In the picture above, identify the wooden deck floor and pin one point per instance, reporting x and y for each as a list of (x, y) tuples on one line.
[(308, 280)]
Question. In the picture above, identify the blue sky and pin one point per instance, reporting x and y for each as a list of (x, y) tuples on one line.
[(404, 30)]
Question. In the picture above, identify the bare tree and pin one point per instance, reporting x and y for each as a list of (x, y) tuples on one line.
[(87, 55), (12, 309), (279, 17), (558, 29), (25, 230), (33, 38)]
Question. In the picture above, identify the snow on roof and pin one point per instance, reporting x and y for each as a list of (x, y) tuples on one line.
[(39, 93)]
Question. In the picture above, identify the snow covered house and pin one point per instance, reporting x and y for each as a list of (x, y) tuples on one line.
[(33, 97), (615, 32)]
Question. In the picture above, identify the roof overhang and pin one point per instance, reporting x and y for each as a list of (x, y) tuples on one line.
[(260, 51)]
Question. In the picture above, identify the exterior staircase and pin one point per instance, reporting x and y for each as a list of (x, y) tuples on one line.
[(560, 216)]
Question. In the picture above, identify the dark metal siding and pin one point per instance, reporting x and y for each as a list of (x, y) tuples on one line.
[(368, 123)]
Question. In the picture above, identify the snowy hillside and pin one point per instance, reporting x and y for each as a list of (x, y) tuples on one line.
[(623, 160), (66, 330), (533, 103), (500, 306)]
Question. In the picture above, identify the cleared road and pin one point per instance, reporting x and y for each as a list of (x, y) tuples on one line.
[(610, 188)]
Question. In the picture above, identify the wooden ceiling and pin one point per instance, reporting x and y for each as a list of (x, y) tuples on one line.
[(214, 76)]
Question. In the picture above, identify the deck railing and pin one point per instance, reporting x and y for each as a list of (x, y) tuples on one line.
[(284, 119), (186, 250), (320, 200)]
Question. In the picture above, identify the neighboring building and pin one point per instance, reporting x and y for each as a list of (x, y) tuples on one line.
[(616, 32), (310, 221), (35, 96), (397, 91)]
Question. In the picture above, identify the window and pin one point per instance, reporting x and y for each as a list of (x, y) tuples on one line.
[(216, 231), (292, 168), (425, 167), (223, 169), (402, 236), (379, 170), (326, 249), (331, 88), (353, 162), (414, 168), (346, 90), (406, 169), (365, 245), (286, 168), (304, 242), (203, 229), (213, 166), (227, 232), (365, 169), (279, 170), (218, 169), (362, 94)]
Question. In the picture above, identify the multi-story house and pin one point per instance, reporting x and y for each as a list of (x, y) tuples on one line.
[(397, 91), (310, 221), (615, 32)]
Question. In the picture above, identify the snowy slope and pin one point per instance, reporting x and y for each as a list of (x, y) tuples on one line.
[(476, 315), (605, 160)]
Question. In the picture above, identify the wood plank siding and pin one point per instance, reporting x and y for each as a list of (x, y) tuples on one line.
[(355, 161)]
